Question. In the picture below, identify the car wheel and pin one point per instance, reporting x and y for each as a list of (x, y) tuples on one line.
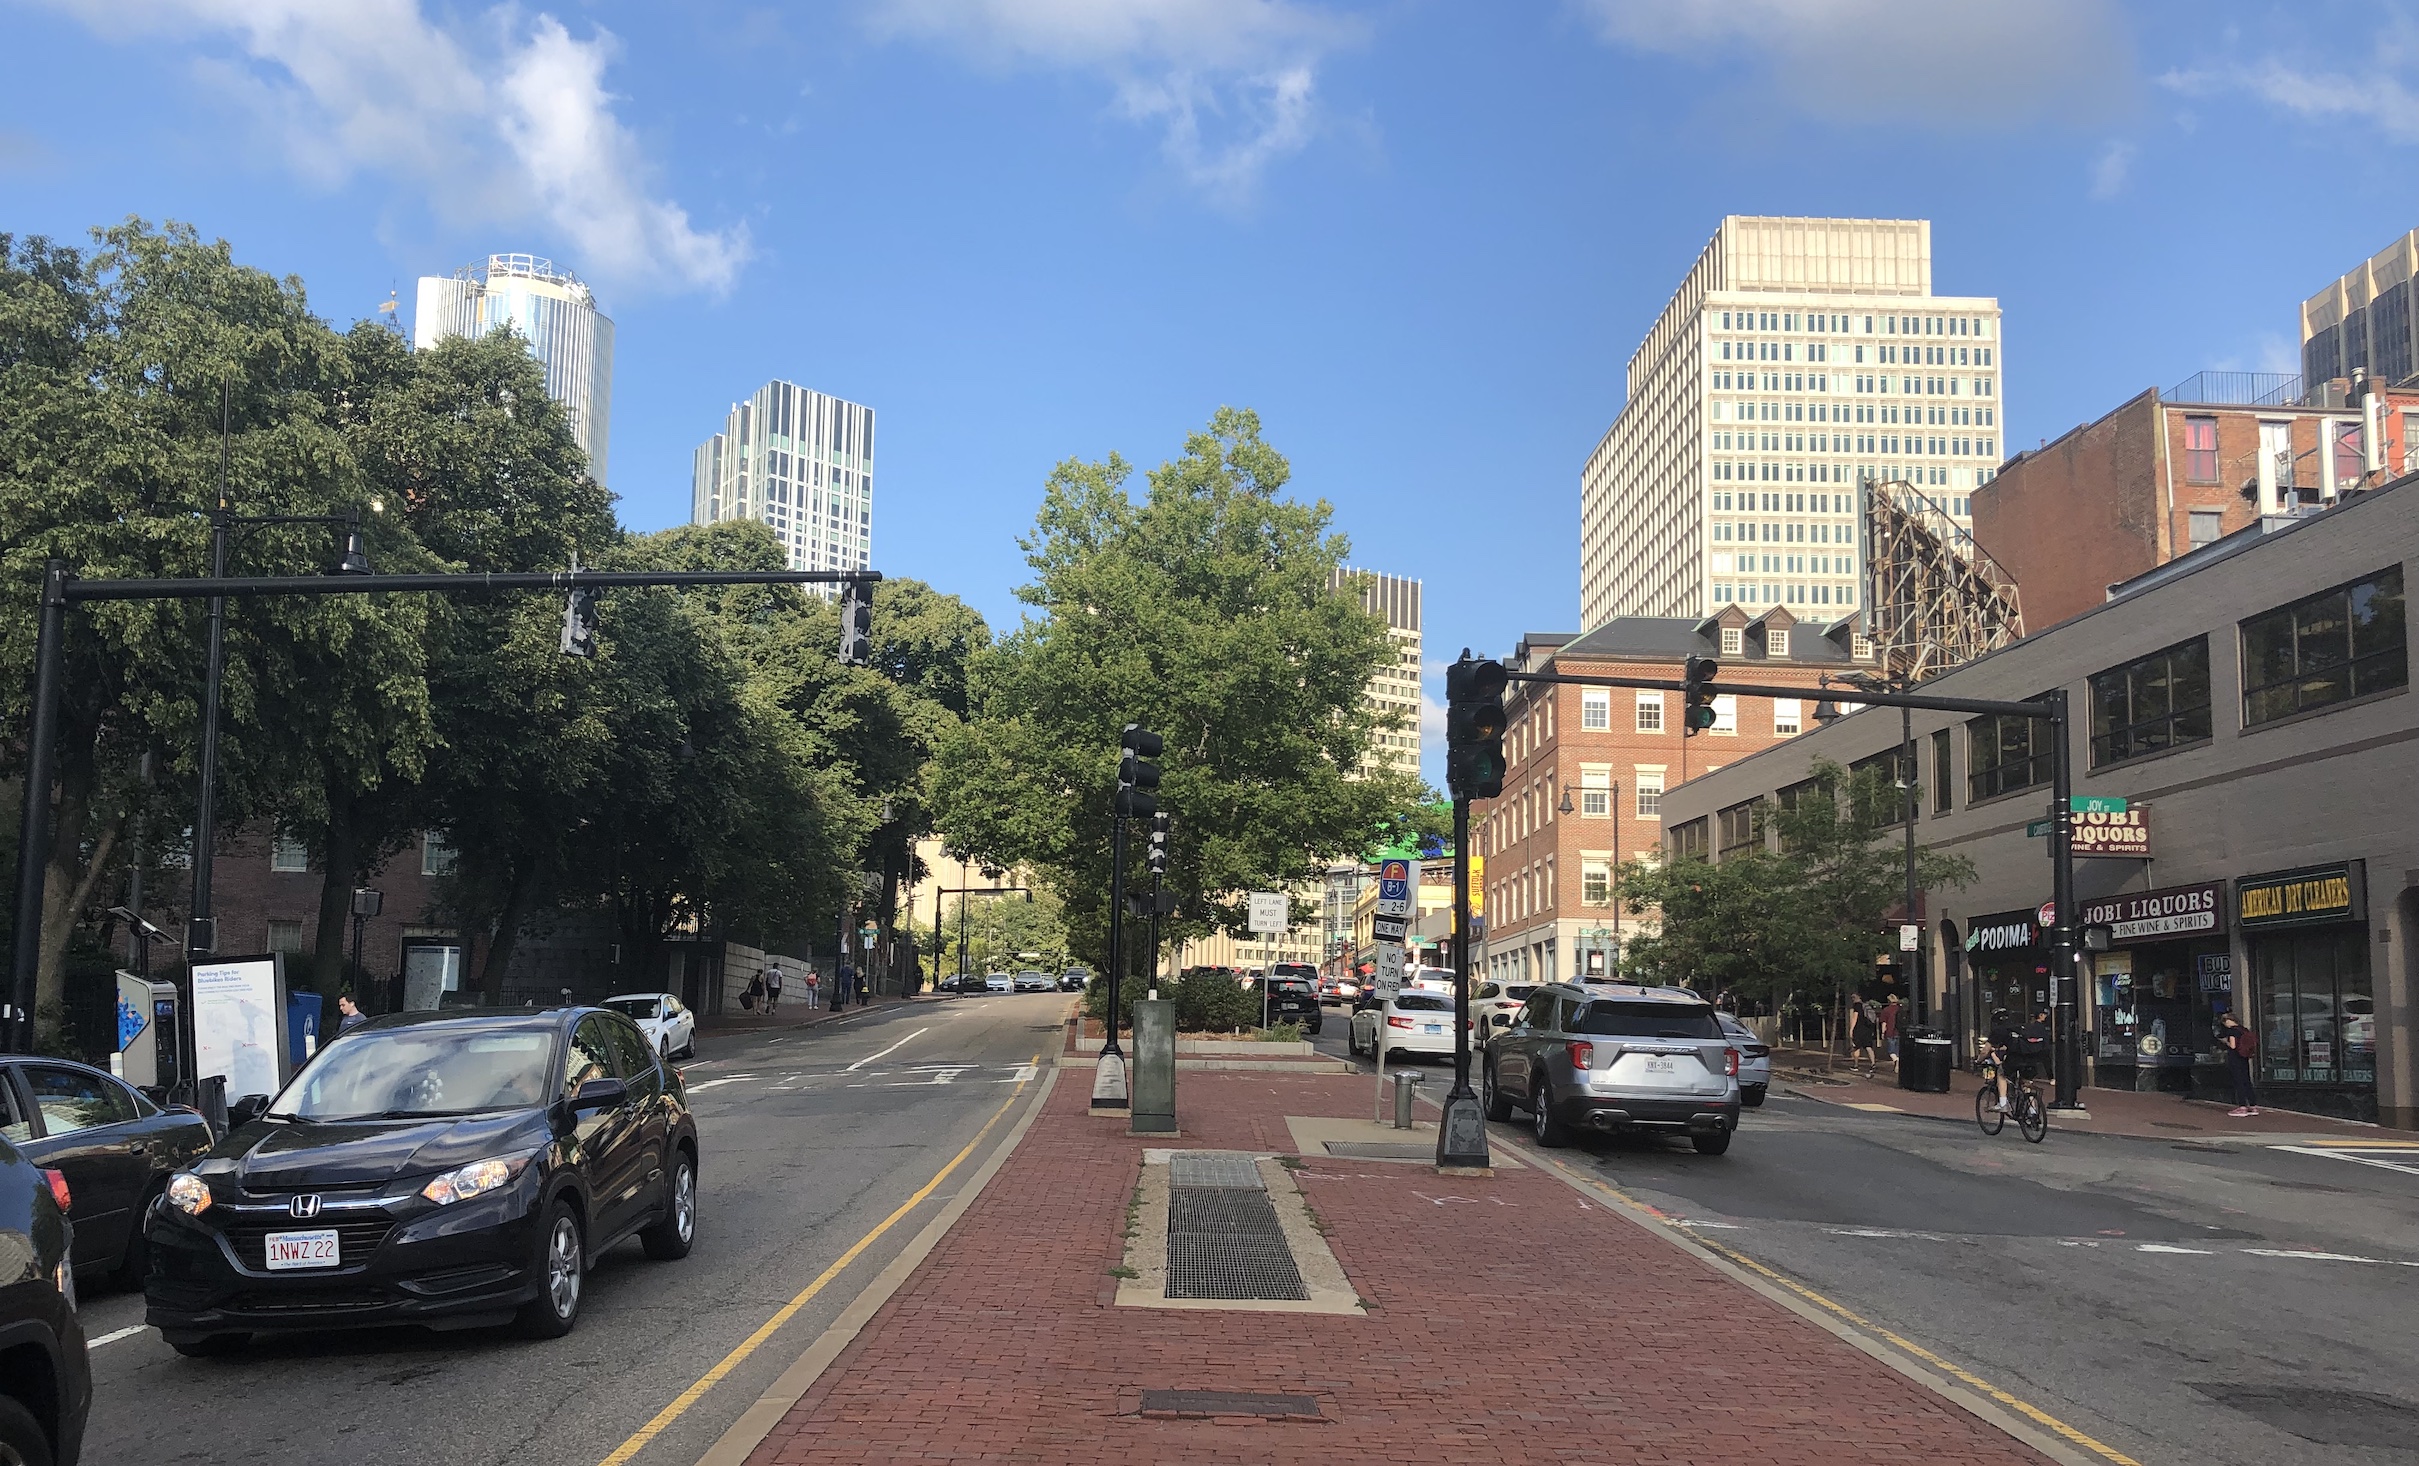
[(561, 1261), (206, 1346), (1752, 1095), (21, 1437), (1713, 1144), (1499, 1104), (1314, 1028), (689, 1050), (669, 1238), (135, 1262), (1549, 1130), (663, 1050)]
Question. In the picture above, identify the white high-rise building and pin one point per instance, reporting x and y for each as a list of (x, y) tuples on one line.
[(555, 312), (1394, 686), (803, 463), (1799, 358)]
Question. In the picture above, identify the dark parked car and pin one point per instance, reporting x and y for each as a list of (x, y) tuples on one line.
[(1293, 1000), (45, 1379), (448, 1169), (116, 1149)]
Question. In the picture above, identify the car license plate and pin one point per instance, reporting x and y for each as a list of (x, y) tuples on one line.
[(302, 1249), (1432, 1028), (1658, 1066)]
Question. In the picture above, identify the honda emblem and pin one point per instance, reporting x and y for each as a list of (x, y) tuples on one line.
[(302, 1206)]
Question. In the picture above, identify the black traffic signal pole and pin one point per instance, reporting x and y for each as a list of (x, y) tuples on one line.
[(61, 589), (2051, 708)]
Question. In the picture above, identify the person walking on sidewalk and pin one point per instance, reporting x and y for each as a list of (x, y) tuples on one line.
[(1864, 1027), (1889, 1028), (2240, 1046), (772, 990), (840, 979), (753, 998), (814, 988)]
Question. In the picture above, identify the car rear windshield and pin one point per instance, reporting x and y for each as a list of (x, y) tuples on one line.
[(436, 1069), (1647, 1020), (635, 1007), (1422, 1003)]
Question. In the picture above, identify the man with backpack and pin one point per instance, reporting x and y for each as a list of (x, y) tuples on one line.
[(2240, 1046)]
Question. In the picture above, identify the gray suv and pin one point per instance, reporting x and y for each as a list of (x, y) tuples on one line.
[(1616, 1057)]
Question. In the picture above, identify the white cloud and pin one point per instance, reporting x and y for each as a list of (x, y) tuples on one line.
[(507, 123), (2379, 93), (2111, 169), (1232, 84), (1970, 62)]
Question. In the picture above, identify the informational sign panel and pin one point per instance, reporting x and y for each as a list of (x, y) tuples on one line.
[(239, 1023), (1271, 914), (1397, 887), (1389, 969), (1390, 928)]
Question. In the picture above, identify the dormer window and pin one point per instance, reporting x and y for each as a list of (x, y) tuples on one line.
[(1861, 647), (1734, 640), (1776, 643)]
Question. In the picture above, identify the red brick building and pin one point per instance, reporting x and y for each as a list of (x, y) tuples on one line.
[(265, 893), (2164, 474), (1587, 767)]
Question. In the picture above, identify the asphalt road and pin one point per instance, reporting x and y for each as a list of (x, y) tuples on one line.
[(810, 1140), (2177, 1301)]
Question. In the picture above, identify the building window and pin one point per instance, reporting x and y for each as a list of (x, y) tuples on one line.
[(1725, 714), (1734, 640), (436, 854), (1595, 791), (1595, 710), (1595, 884), (2347, 455), (2205, 525), (2200, 450), (2345, 643), (287, 854), (1650, 793), (1738, 827), (1687, 840), (1785, 720), (1861, 647), (2159, 702), (2005, 753), (286, 936), (1776, 643), (1940, 772), (1650, 712)]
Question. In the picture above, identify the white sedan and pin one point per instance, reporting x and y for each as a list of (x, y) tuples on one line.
[(1415, 1021), (667, 1022)]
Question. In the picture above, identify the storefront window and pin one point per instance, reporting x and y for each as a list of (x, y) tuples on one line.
[(2318, 1018)]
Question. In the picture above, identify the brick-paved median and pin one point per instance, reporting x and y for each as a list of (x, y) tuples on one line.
[(1513, 1319)]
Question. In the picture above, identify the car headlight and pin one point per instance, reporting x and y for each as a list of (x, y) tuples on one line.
[(188, 1193), (476, 1179)]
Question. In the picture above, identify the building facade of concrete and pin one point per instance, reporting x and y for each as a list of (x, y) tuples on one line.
[(555, 312), (1798, 359), (800, 461), (1395, 687), (2365, 321), (2249, 703), (1587, 769)]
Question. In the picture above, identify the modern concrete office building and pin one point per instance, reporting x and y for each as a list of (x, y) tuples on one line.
[(802, 462), (555, 312), (1395, 686), (2250, 703), (2365, 321), (1797, 359)]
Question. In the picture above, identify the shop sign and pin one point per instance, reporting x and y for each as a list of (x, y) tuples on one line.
[(2149, 916), (2214, 972), (2306, 897), (2007, 931), (2124, 834)]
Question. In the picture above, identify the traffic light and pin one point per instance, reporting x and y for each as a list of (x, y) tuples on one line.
[(1137, 778), (579, 622), (856, 624), (1158, 857), (1474, 727), (1696, 702)]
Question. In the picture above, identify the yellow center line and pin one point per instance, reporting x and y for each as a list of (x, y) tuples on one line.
[(680, 1405)]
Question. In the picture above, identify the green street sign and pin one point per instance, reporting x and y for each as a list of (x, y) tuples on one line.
[(2037, 830), (2098, 803)]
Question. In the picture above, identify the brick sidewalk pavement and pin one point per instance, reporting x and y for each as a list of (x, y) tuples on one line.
[(1512, 1319)]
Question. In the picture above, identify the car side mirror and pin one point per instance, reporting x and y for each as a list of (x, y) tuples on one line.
[(244, 1111), (600, 1093)]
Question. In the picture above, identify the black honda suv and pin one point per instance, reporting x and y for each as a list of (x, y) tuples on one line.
[(453, 1169)]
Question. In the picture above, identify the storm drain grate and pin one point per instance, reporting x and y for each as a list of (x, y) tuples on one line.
[(1380, 1150), (1226, 1243), (1226, 1402), (1226, 1170)]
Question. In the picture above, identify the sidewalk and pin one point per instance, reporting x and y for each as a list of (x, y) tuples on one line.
[(1511, 1318), (2113, 1111), (795, 1013)]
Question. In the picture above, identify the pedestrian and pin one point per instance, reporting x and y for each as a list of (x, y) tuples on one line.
[(2240, 1046), (351, 1016), (1864, 1027), (814, 988), (1889, 1027), (772, 990), (840, 977), (753, 998)]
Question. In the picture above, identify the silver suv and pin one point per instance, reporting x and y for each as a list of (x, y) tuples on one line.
[(1617, 1057)]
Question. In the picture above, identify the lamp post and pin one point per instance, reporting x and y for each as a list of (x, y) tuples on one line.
[(366, 904)]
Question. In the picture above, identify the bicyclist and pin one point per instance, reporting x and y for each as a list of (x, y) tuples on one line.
[(2000, 1049)]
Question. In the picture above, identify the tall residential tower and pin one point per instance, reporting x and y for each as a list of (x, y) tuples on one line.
[(555, 313), (1394, 686), (803, 463), (1799, 358)]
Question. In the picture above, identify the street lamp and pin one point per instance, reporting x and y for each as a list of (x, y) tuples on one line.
[(366, 904)]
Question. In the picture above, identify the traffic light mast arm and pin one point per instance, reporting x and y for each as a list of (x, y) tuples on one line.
[(341, 585), (1759, 689)]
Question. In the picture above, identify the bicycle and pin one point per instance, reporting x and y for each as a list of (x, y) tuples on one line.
[(2032, 1117)]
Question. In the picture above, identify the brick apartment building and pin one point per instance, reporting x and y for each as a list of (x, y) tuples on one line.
[(2167, 473), (1587, 767), (265, 892)]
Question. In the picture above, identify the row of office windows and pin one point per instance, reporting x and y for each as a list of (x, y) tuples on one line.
[(1781, 593), (1842, 325), (289, 855), (1786, 503), (1784, 532)]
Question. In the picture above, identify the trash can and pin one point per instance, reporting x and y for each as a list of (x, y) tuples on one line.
[(1925, 1057)]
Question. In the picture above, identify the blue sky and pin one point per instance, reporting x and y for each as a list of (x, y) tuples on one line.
[(1420, 238)]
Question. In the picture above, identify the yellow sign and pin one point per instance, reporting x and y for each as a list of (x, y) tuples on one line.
[(2289, 898)]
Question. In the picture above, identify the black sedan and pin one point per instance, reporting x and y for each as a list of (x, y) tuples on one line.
[(45, 1379), (116, 1149), (453, 1170)]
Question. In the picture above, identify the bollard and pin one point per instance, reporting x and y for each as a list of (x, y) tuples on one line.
[(1405, 1084), (1154, 1092)]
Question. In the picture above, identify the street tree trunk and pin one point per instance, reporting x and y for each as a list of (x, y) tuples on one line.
[(517, 906), (341, 870), (67, 880)]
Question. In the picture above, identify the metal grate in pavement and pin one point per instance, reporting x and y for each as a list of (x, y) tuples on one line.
[(1225, 1242), (1220, 1168), (1227, 1402), (1380, 1150)]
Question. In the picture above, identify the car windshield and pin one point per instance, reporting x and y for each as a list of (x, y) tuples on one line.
[(635, 1007), (436, 1069), (1422, 1003), (1647, 1020)]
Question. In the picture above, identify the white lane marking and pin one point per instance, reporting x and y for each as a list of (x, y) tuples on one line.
[(116, 1334), (2303, 1256), (2158, 1247), (902, 1043), (729, 1079), (1723, 1226), (2357, 1157), (1023, 1073), (1879, 1232)]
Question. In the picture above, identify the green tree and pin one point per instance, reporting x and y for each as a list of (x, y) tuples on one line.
[(1203, 611)]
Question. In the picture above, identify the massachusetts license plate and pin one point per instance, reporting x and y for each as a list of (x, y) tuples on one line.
[(302, 1249)]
